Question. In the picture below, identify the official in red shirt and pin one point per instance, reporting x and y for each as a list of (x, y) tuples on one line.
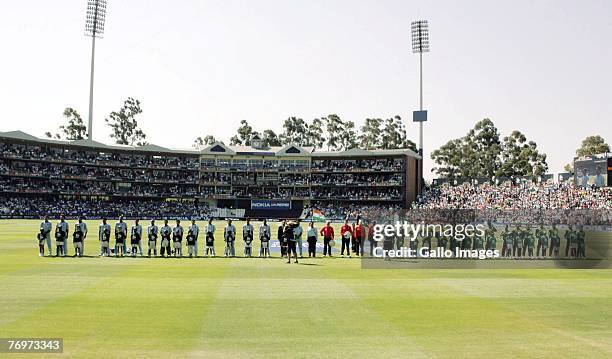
[(327, 233), (359, 237), (347, 234)]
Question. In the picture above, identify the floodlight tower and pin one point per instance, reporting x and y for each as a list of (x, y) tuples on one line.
[(420, 44), (94, 27)]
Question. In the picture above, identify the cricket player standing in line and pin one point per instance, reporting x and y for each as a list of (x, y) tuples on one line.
[(45, 228), (247, 236), (507, 243), (83, 227), (191, 241), (61, 235), (104, 237), (152, 236), (229, 234), (210, 238), (264, 237), (165, 242), (177, 238), (555, 241), (120, 236), (41, 242), (136, 238), (195, 232), (581, 240), (542, 237), (297, 234), (517, 248), (77, 240)]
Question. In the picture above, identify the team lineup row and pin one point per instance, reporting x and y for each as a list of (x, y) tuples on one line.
[(518, 242), (290, 234)]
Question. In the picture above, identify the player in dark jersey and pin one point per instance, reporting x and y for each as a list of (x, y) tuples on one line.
[(177, 238), (441, 240), (152, 233), (61, 236), (529, 244), (427, 241), (165, 232), (478, 242), (210, 238), (491, 240), (41, 239), (571, 243), (517, 249), (77, 240), (191, 242), (508, 242), (581, 240), (555, 241), (542, 236)]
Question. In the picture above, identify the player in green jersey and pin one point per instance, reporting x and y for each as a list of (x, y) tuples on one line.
[(555, 241), (542, 237)]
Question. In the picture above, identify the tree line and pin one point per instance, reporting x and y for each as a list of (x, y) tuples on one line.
[(328, 132), (123, 124), (482, 153)]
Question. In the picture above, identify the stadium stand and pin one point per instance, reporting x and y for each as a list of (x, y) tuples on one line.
[(42, 176)]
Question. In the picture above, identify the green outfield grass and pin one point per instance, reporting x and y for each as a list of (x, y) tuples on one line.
[(323, 307)]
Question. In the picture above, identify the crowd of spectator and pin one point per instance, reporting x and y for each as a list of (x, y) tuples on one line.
[(90, 172), (54, 207), (357, 193), (95, 157), (371, 165), (50, 186), (360, 179), (509, 196)]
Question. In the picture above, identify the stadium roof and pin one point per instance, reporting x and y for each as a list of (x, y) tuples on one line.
[(19, 135), (217, 148)]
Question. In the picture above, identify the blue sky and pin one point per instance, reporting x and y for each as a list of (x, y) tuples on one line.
[(199, 67)]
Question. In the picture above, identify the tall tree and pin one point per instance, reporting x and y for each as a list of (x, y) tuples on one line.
[(485, 149), (243, 135), (124, 126), (592, 145), (394, 135), (202, 142), (449, 160), (333, 127), (74, 129), (270, 138), (294, 131), (348, 136), (481, 154), (371, 134), (520, 157), (315, 136)]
